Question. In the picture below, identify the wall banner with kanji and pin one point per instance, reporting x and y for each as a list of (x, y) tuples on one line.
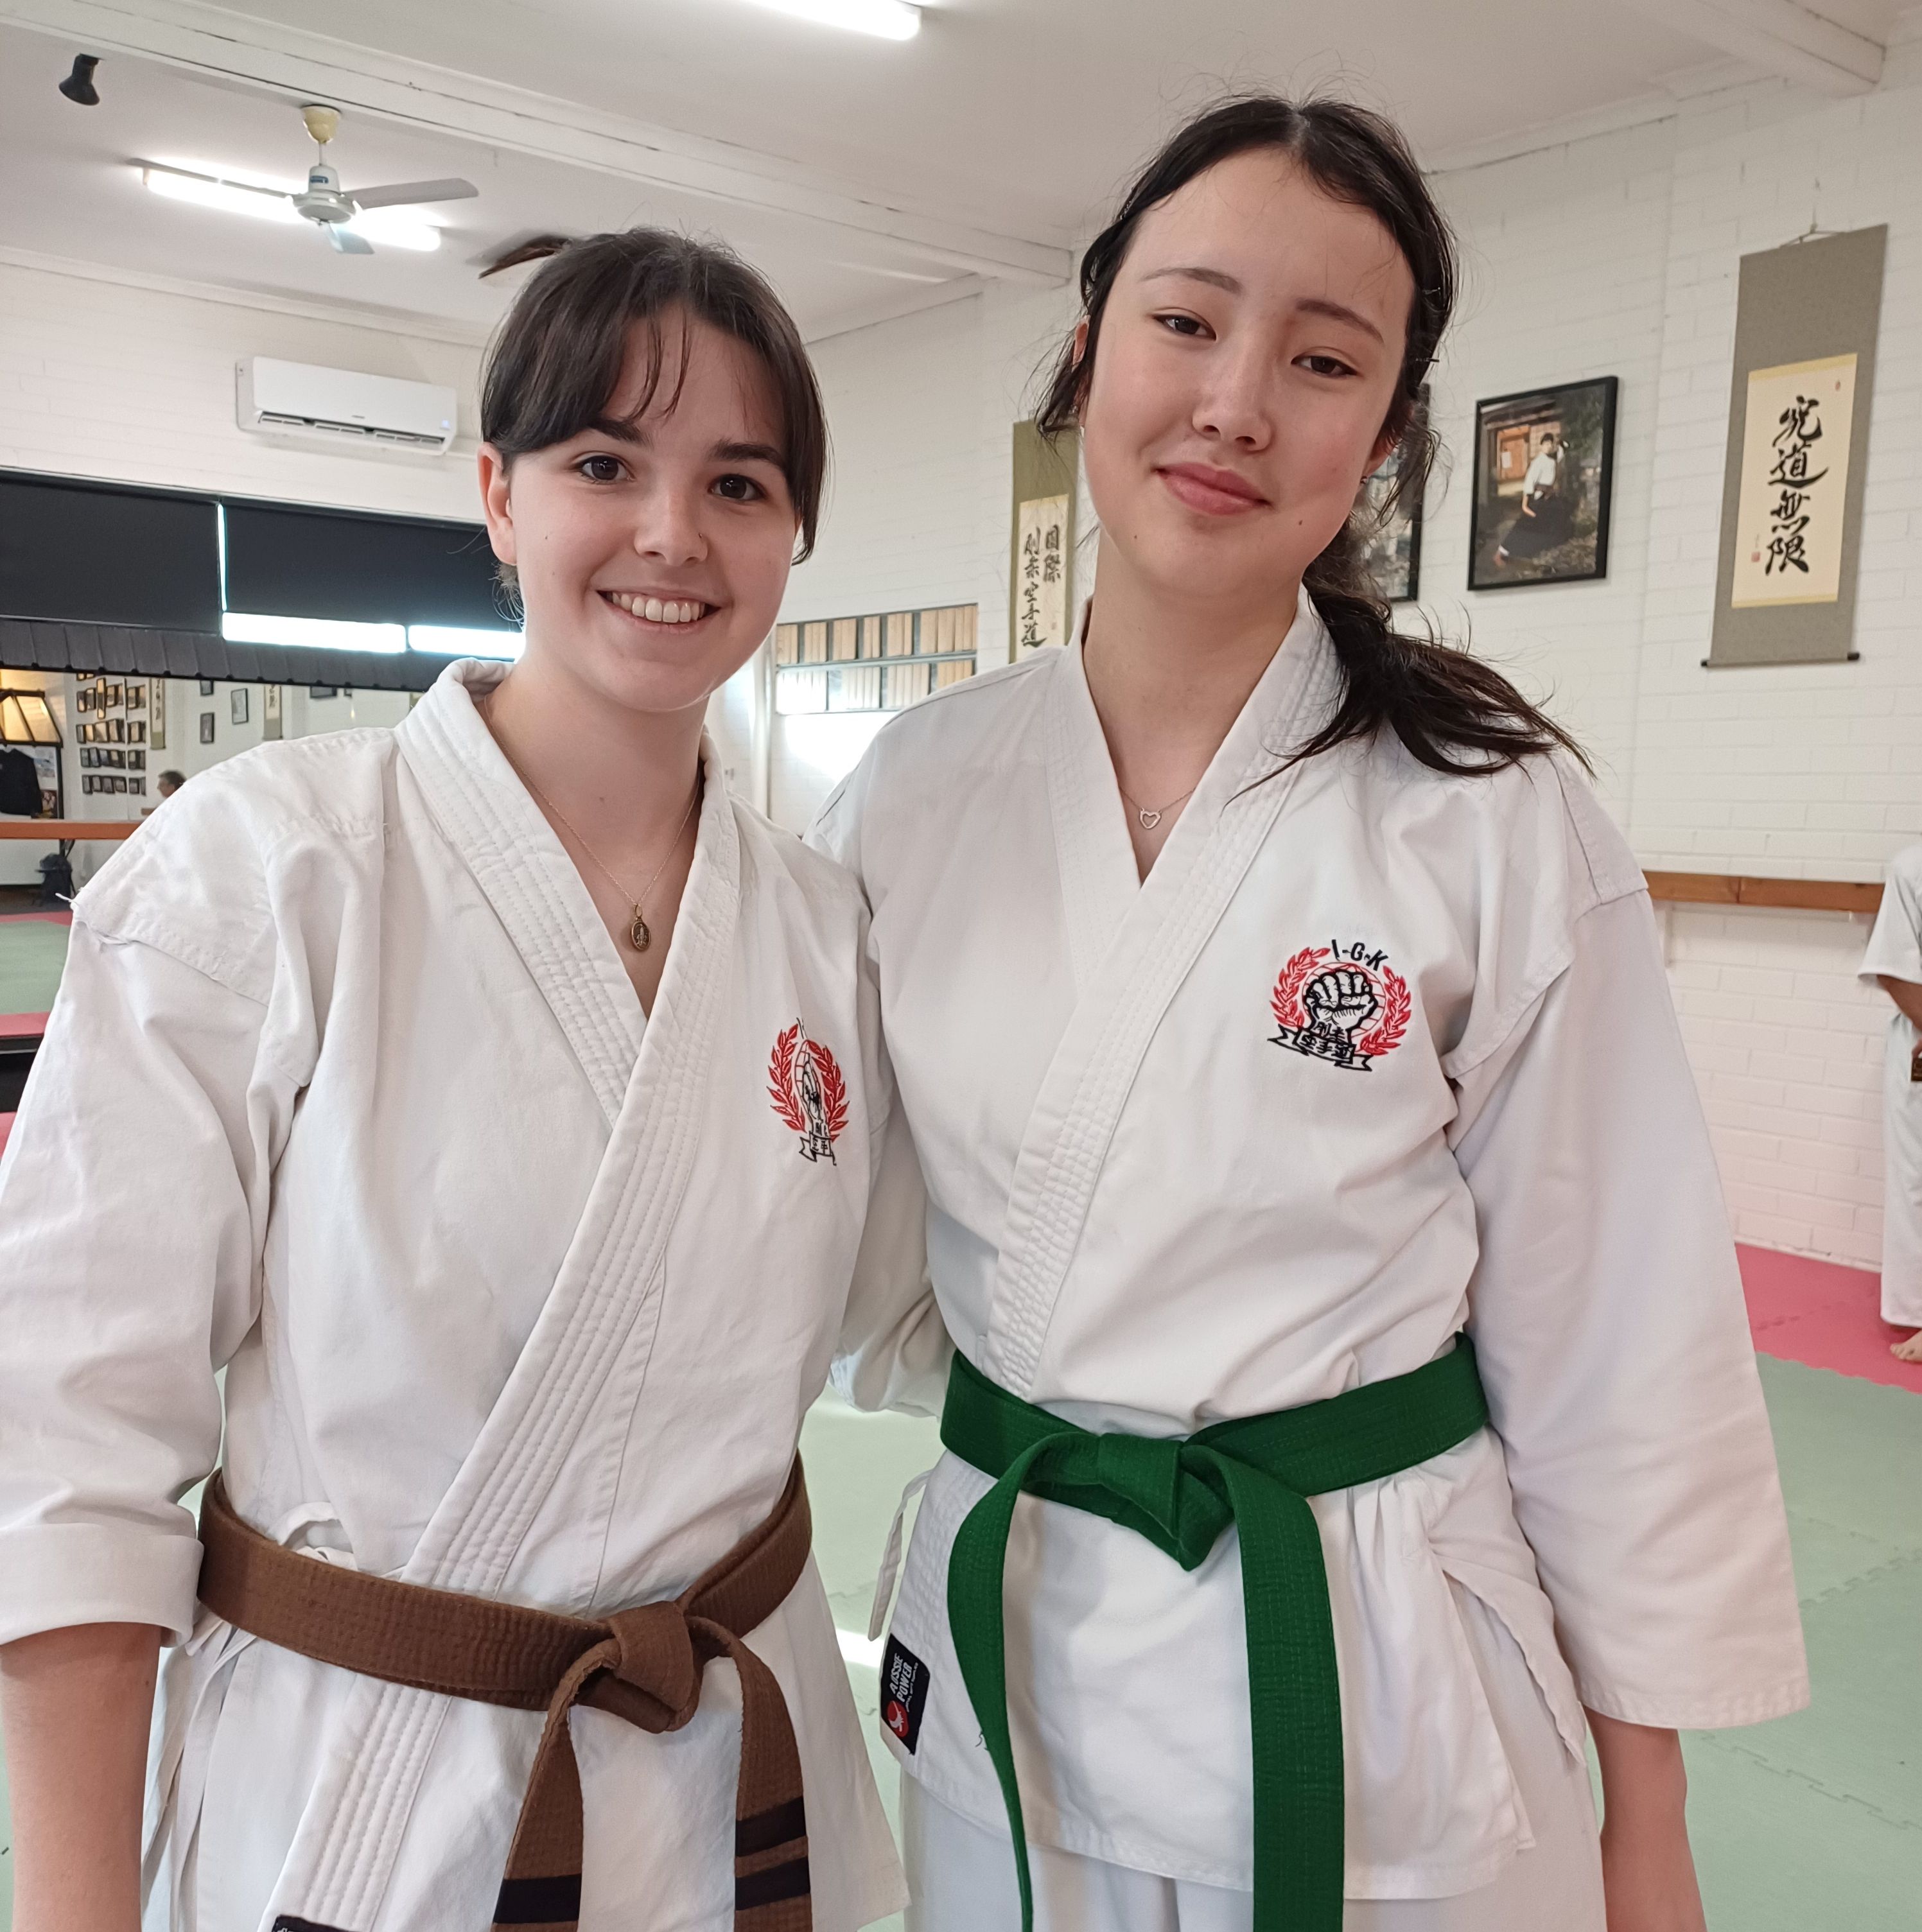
[(1806, 322)]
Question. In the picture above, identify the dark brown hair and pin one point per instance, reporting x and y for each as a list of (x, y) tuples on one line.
[(557, 358), (1439, 701)]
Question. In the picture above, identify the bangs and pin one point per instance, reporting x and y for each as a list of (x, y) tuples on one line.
[(554, 369)]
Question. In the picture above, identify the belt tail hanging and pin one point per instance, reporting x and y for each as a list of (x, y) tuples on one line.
[(1257, 1473)]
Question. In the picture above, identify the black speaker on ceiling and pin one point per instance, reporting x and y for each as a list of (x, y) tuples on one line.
[(79, 86)]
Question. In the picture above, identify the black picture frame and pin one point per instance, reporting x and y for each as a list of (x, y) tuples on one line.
[(206, 727), (206, 687), (236, 703), (1573, 423)]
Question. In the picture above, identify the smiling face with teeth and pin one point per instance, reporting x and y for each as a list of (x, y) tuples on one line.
[(652, 548)]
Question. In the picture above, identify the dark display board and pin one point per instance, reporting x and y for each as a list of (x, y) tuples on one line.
[(290, 562), (104, 556)]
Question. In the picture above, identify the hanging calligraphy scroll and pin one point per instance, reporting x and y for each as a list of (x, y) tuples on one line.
[(1798, 434), (1041, 560)]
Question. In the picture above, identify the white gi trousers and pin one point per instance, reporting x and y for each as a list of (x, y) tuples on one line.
[(1902, 1198), (961, 1874)]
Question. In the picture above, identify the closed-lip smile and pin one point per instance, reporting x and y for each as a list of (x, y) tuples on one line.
[(1215, 492)]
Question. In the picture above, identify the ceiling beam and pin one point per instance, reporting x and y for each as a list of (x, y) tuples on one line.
[(1779, 37), (305, 66)]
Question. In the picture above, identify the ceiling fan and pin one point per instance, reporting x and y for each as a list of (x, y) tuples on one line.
[(328, 205), (324, 201)]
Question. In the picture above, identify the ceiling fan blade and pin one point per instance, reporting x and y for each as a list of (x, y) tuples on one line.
[(406, 194), (346, 242)]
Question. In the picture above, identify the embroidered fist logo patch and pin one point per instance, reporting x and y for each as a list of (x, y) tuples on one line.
[(1342, 1003), (805, 1084)]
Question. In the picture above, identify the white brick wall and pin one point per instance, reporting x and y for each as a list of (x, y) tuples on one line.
[(135, 384), (1787, 1045)]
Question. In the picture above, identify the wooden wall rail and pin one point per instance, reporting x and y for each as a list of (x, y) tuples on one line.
[(44, 831), (1730, 889)]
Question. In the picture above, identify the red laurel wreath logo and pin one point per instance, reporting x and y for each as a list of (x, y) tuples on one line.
[(1287, 1000), (809, 1095), (1343, 1003)]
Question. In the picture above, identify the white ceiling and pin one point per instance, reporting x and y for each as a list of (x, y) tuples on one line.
[(859, 174)]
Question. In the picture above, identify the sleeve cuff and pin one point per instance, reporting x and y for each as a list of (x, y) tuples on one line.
[(54, 1575), (1697, 1713)]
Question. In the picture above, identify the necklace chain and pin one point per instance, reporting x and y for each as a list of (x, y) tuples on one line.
[(1152, 816), (638, 934)]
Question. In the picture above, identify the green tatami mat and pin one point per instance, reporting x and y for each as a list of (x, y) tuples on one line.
[(32, 953), (1815, 1821)]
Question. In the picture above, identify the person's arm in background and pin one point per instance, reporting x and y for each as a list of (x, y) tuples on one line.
[(1906, 994), (77, 1703)]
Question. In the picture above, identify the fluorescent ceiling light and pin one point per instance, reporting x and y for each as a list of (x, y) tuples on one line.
[(450, 640), (264, 204), (890, 19), (325, 633)]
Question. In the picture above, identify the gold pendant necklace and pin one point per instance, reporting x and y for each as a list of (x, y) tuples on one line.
[(639, 935)]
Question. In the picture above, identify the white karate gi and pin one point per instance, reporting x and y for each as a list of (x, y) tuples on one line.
[(519, 1292), (1176, 1175), (1895, 948)]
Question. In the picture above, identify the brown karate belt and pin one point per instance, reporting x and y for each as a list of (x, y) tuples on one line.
[(644, 1664)]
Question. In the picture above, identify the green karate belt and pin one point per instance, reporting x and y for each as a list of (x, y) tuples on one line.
[(1180, 1493)]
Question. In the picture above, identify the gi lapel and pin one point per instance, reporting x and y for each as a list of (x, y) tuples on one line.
[(1125, 987), (528, 879), (603, 1307)]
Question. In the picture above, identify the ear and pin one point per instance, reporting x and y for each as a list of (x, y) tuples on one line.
[(1385, 447), (494, 503), (1080, 341)]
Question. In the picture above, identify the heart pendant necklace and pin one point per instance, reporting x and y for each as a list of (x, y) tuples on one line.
[(1148, 819)]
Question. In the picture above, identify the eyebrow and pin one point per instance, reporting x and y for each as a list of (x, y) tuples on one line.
[(1219, 278), (622, 431)]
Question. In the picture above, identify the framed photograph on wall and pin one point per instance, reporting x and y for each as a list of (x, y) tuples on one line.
[(206, 727), (1545, 462), (237, 704)]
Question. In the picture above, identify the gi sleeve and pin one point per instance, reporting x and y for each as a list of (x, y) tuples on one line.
[(1895, 945), (893, 1351), (1608, 1319), (133, 1196)]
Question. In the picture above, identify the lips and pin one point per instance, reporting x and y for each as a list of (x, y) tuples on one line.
[(1215, 492), (659, 610)]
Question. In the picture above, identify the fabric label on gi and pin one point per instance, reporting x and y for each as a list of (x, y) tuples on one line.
[(904, 1691), (1342, 1004)]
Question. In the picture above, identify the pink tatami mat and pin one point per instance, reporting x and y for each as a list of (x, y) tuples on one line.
[(52, 918), (1822, 1314)]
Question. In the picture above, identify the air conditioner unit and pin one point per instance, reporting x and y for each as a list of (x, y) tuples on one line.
[(342, 406)]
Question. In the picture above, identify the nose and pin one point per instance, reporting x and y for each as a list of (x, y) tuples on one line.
[(669, 530), (1233, 405)]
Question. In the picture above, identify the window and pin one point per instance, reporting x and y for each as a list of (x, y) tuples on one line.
[(884, 661)]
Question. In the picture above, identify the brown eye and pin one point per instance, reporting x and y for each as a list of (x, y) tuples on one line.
[(599, 469), (738, 489)]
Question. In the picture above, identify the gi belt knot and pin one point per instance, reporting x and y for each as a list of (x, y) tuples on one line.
[(646, 1672), (1162, 1479), (1180, 1494)]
